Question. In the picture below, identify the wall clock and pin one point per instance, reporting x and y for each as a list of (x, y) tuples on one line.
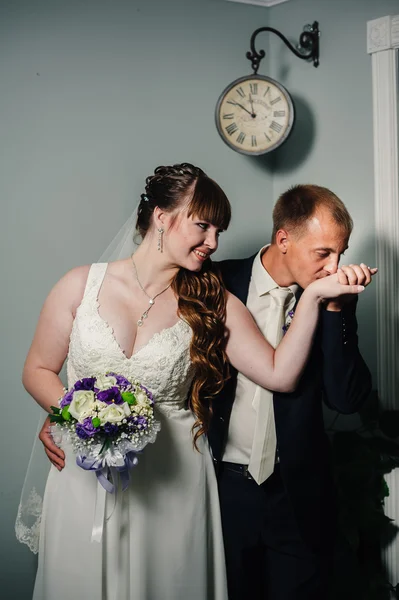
[(254, 114)]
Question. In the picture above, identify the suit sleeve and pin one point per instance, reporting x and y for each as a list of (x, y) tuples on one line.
[(346, 377)]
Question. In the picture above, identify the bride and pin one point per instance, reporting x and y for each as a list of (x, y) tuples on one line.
[(163, 317)]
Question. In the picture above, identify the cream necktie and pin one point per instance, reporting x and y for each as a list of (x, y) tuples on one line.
[(263, 453)]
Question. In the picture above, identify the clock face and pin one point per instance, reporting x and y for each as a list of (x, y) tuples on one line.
[(254, 114)]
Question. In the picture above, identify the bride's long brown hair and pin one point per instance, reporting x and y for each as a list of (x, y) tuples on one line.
[(201, 296)]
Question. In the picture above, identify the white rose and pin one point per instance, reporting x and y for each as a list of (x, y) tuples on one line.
[(82, 404), (126, 409), (104, 382), (141, 398), (112, 413)]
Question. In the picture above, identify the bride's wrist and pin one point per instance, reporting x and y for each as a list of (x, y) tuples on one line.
[(312, 296)]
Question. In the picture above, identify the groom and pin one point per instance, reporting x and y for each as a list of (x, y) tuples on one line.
[(270, 450)]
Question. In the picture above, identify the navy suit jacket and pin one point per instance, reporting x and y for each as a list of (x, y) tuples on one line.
[(335, 373)]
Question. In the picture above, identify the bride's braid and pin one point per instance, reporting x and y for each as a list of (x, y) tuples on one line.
[(201, 296)]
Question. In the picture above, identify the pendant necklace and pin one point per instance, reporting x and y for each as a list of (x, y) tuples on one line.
[(151, 300)]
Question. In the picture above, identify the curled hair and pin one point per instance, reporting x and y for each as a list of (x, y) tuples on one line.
[(201, 295), (298, 204), (202, 304)]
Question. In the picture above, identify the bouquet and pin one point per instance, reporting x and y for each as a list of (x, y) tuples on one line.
[(109, 419)]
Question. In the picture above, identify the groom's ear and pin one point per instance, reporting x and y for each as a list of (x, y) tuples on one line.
[(282, 240)]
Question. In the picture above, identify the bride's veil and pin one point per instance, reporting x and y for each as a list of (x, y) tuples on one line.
[(124, 243), (27, 524)]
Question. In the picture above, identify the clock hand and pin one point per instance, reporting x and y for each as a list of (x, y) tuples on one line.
[(240, 105), (252, 107)]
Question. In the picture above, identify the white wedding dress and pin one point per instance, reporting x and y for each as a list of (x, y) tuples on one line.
[(162, 537)]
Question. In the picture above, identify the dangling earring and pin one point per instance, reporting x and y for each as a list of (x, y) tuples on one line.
[(160, 239)]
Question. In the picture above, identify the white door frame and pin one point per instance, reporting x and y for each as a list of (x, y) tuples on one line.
[(383, 44)]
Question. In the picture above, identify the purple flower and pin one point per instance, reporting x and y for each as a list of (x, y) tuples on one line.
[(112, 395), (88, 425), (120, 380), (87, 383), (67, 399), (140, 422), (81, 432), (86, 429), (111, 428)]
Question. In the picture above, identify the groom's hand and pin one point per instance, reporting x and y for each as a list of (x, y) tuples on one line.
[(351, 275), (55, 455)]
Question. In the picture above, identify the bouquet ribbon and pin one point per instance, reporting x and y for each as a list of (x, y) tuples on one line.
[(103, 474)]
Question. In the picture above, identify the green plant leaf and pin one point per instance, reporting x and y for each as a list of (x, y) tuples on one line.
[(55, 410), (381, 445), (385, 489), (96, 422), (361, 458), (66, 415), (378, 587), (129, 397), (105, 445), (56, 419)]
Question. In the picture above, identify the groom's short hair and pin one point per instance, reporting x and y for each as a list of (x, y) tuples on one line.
[(299, 203)]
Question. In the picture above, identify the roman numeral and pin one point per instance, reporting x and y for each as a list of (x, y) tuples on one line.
[(276, 127), (253, 141), (267, 137), (241, 138), (231, 128), (240, 92), (279, 113), (268, 88), (254, 88), (228, 116), (278, 99)]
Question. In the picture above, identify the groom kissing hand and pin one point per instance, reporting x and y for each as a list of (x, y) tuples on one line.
[(270, 449)]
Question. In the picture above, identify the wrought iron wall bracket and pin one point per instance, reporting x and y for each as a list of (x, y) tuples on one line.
[(307, 48)]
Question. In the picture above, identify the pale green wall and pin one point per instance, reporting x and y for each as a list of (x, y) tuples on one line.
[(94, 95)]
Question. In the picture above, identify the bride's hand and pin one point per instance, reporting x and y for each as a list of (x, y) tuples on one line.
[(55, 455), (331, 287), (352, 275)]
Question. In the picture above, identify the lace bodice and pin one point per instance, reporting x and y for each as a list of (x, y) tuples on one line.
[(162, 365)]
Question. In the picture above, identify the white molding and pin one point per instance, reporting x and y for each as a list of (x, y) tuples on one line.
[(382, 44), (383, 34), (266, 3), (385, 103)]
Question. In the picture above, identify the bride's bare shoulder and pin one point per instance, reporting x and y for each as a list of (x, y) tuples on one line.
[(73, 283), (70, 288), (76, 277)]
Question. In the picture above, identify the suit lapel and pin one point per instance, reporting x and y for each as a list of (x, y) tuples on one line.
[(237, 276)]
